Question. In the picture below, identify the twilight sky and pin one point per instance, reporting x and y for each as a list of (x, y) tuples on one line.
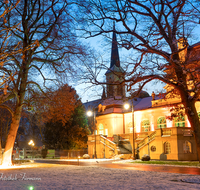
[(103, 48)]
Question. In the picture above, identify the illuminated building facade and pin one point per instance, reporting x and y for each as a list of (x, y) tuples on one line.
[(154, 133)]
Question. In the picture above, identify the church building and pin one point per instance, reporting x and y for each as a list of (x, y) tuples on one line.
[(142, 127)]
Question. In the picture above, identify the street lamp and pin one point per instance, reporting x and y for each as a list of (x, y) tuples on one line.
[(89, 114), (127, 106), (31, 143)]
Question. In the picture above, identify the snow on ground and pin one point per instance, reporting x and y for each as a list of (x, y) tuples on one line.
[(52, 176)]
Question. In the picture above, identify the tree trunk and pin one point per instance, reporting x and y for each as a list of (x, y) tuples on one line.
[(1, 146), (7, 155), (0, 152), (193, 118)]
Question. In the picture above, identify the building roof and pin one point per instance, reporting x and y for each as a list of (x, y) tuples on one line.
[(143, 103), (194, 45), (116, 105), (115, 69), (92, 104)]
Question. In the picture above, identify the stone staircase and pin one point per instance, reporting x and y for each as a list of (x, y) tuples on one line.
[(118, 145), (125, 147), (146, 140), (121, 145)]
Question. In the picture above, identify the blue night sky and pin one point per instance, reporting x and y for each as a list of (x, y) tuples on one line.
[(89, 92)]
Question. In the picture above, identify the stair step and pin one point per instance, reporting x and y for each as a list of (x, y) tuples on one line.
[(124, 151)]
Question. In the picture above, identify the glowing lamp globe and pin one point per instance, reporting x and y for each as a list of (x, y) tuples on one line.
[(126, 106), (89, 113)]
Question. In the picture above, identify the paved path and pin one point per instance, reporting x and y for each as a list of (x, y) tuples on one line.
[(42, 176), (130, 166)]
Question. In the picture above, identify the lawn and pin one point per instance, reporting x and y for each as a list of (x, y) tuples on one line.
[(182, 163)]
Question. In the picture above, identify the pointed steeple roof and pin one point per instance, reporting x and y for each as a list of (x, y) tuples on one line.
[(114, 51), (103, 96), (114, 62)]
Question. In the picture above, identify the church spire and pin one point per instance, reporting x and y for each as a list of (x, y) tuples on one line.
[(114, 51), (103, 96), (115, 74)]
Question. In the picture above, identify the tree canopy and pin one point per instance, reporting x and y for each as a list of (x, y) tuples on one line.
[(48, 46), (65, 120)]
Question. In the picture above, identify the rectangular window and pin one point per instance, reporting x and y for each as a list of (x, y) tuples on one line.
[(106, 132)]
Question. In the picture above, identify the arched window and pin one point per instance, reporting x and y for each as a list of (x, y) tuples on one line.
[(161, 122), (145, 125), (101, 131), (187, 147), (180, 121), (167, 148)]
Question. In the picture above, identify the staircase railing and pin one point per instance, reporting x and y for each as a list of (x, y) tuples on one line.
[(146, 140), (111, 145)]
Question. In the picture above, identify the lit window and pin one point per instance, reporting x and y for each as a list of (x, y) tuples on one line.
[(145, 125), (180, 121), (101, 131), (187, 147), (167, 148), (161, 122), (106, 132)]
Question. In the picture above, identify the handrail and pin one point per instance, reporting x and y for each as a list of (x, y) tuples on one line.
[(109, 143), (106, 139), (143, 142)]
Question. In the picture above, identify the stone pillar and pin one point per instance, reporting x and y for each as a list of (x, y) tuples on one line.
[(158, 132)]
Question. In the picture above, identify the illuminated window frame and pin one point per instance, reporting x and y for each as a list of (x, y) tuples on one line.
[(161, 122), (145, 125), (179, 121), (101, 129)]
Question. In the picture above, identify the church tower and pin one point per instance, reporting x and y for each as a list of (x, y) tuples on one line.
[(115, 74)]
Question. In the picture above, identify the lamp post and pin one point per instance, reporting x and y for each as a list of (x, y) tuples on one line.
[(31, 143), (127, 106), (89, 114)]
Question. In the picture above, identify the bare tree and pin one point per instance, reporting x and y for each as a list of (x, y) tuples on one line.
[(49, 45), (158, 31), (5, 34)]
